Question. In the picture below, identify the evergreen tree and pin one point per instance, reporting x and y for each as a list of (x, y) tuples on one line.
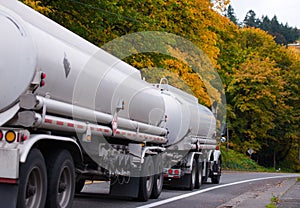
[(231, 15), (251, 20), (283, 34), (265, 23)]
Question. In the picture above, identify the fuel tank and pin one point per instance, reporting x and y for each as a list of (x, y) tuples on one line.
[(77, 71), (186, 118)]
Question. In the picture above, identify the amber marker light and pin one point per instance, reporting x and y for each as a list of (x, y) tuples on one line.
[(10, 136)]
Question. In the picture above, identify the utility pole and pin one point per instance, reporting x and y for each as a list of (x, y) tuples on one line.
[(299, 154), (274, 160), (227, 135)]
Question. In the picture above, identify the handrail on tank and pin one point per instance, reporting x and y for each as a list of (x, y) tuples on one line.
[(164, 86)]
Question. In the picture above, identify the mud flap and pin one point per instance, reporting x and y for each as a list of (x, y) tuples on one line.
[(130, 189), (179, 183), (8, 195)]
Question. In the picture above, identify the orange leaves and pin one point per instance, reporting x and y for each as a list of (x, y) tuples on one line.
[(220, 5), (36, 5)]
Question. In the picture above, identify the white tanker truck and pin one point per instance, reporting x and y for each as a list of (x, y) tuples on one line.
[(71, 112)]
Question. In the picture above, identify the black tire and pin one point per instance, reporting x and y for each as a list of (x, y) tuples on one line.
[(215, 179), (158, 178), (146, 180), (205, 178), (33, 181), (198, 181), (191, 178), (79, 186), (61, 179)]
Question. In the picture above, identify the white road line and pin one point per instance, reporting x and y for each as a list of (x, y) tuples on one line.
[(211, 188)]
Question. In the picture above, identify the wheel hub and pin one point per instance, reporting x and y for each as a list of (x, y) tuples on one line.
[(62, 187), (31, 190)]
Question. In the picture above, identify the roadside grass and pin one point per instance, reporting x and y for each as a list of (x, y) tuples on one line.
[(232, 160), (274, 202)]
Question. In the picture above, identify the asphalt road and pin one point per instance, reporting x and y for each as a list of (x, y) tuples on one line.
[(233, 184)]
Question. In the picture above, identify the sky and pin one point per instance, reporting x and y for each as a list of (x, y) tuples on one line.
[(285, 10)]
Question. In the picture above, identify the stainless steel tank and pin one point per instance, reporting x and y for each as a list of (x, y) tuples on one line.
[(17, 59), (77, 71), (186, 117)]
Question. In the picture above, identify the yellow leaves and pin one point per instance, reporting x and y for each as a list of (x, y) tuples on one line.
[(256, 40), (192, 80), (175, 52), (141, 61), (37, 5), (220, 5)]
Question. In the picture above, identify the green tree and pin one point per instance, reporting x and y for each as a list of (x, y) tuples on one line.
[(251, 20), (254, 93), (231, 15)]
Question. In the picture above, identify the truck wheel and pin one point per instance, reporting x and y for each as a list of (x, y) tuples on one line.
[(158, 178), (205, 178), (33, 181), (215, 179), (190, 179), (198, 176), (147, 180), (79, 186), (61, 179)]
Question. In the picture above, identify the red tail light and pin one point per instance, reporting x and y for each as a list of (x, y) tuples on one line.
[(22, 138), (1, 135), (43, 76)]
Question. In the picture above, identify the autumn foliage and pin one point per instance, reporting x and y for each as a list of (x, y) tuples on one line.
[(261, 78)]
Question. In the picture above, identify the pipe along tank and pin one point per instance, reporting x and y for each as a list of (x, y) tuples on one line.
[(54, 84)]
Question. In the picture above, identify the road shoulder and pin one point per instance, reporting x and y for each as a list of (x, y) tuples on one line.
[(291, 198), (262, 196)]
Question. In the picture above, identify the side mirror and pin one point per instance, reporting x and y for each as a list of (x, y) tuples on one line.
[(223, 139)]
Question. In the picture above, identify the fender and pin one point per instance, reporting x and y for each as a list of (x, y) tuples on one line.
[(190, 159), (26, 147)]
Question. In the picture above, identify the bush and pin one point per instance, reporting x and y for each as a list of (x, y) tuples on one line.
[(236, 161)]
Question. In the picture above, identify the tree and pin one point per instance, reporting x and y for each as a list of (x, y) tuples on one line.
[(254, 93), (261, 97), (220, 5), (283, 34), (231, 15), (251, 20)]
